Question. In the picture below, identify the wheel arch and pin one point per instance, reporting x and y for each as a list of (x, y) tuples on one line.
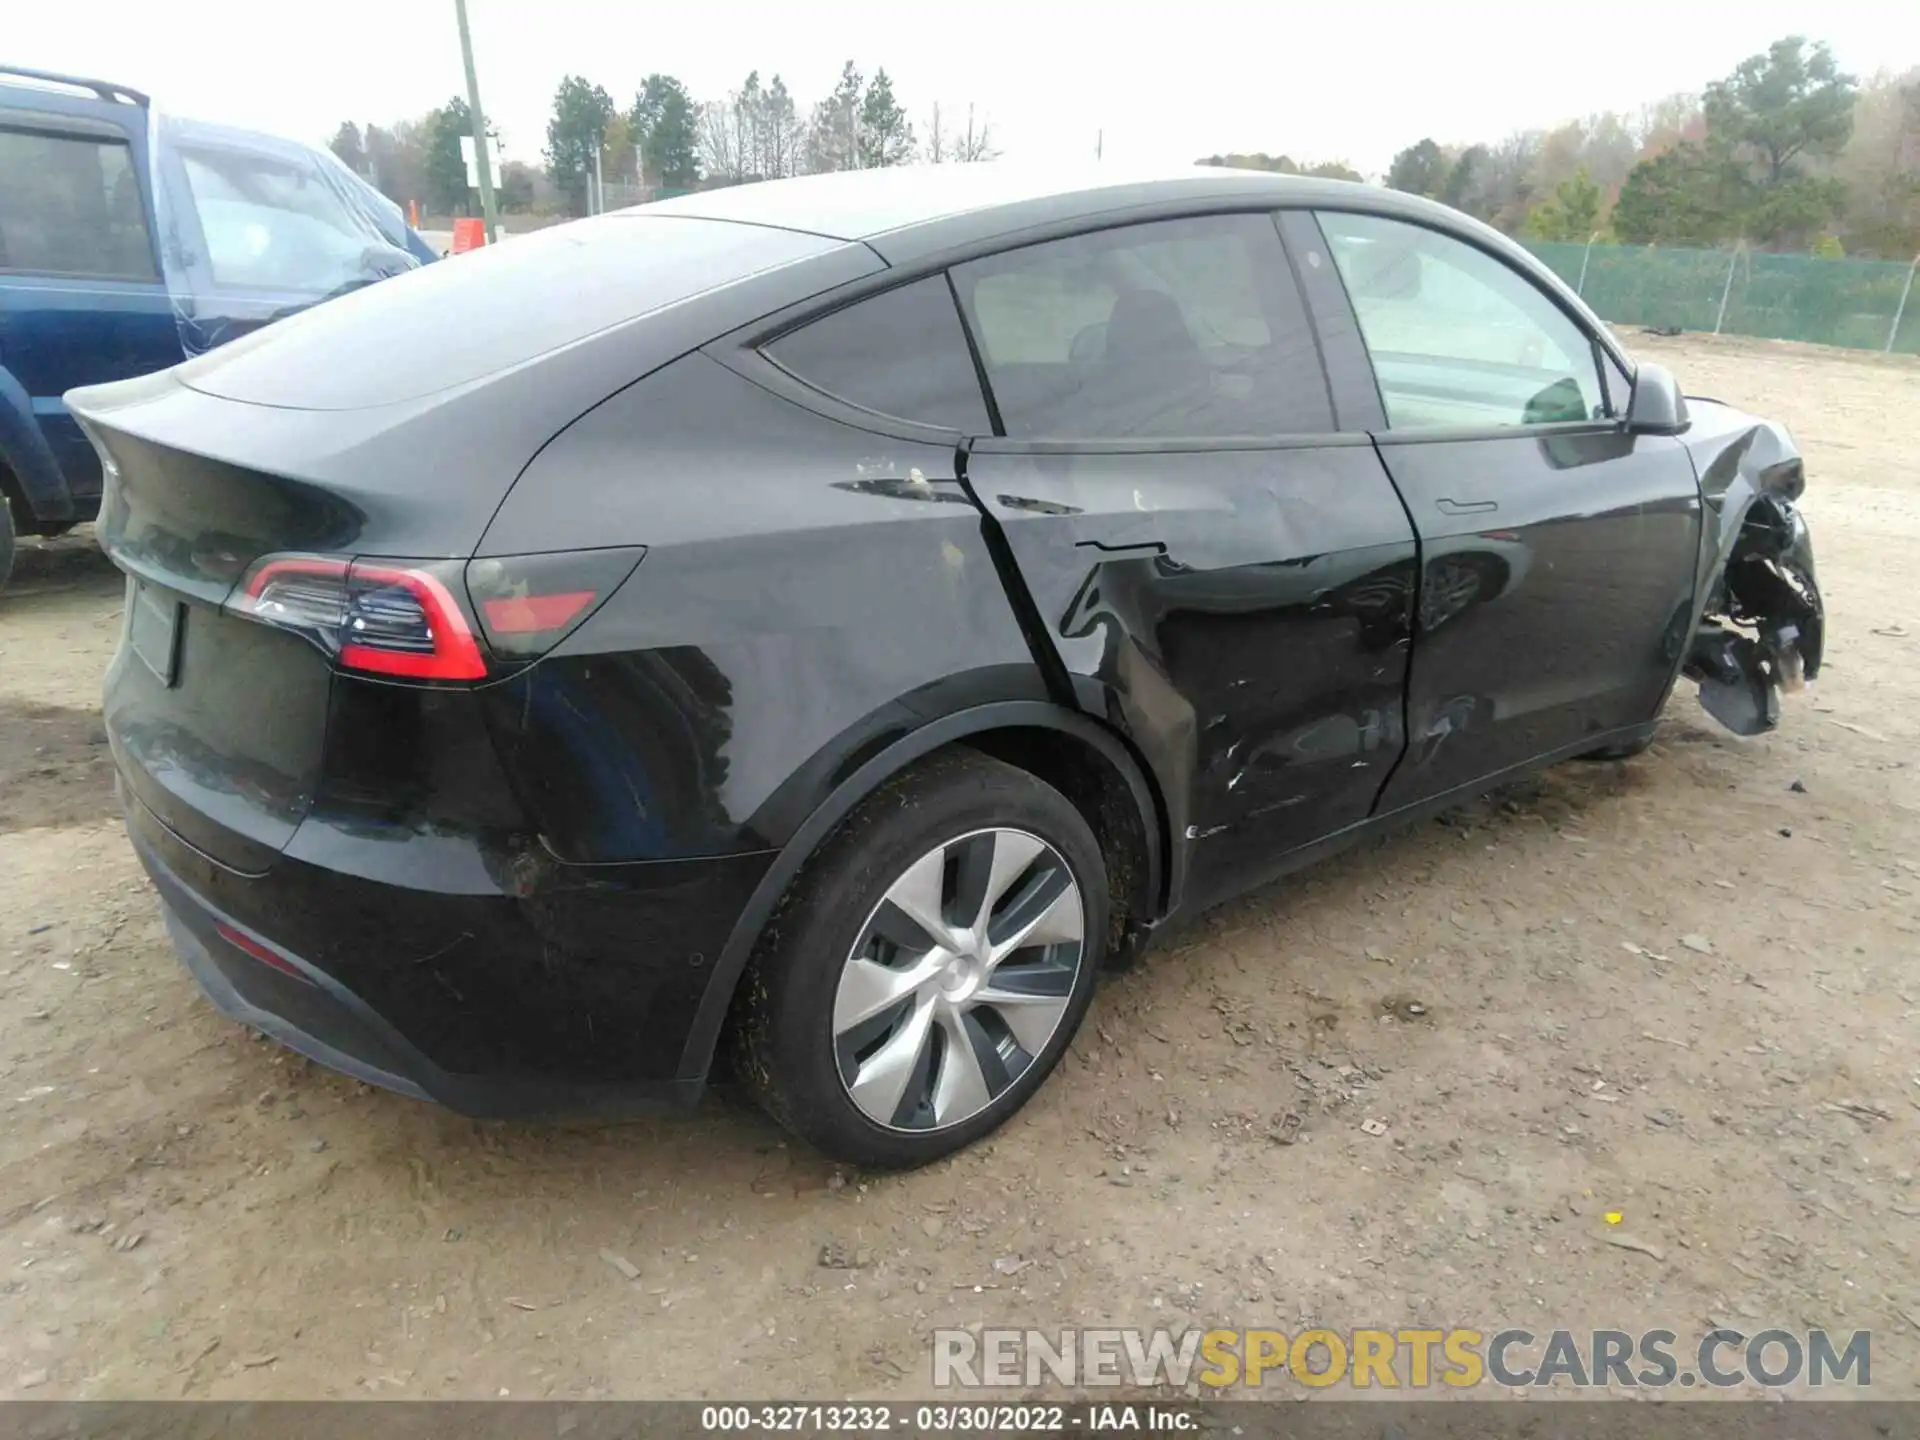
[(1024, 733)]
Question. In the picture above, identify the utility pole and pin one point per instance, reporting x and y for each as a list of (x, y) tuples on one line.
[(599, 180), (1099, 145), (480, 161)]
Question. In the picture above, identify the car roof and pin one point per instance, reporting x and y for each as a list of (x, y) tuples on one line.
[(865, 204), (928, 214)]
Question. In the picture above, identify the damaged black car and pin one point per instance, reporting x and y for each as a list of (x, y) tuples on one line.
[(803, 630)]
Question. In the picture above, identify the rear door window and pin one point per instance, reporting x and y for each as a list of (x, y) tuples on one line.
[(1177, 328), (901, 352), (72, 207)]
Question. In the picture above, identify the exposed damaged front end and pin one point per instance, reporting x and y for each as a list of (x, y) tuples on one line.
[(1762, 625)]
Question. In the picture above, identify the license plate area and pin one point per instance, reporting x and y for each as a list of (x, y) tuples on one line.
[(153, 630)]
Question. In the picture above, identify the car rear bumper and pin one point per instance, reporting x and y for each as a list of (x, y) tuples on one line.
[(217, 921), (331, 1029)]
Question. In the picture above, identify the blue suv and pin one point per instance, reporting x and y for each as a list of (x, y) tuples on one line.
[(131, 240)]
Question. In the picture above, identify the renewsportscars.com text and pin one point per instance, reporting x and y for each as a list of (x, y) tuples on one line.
[(1401, 1359)]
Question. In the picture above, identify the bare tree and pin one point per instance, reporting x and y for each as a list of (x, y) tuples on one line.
[(753, 134), (1666, 122), (976, 141), (721, 153), (1507, 177), (1610, 148), (1881, 168), (779, 132), (939, 147), (749, 107)]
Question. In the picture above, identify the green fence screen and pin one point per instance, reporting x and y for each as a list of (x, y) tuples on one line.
[(1775, 297)]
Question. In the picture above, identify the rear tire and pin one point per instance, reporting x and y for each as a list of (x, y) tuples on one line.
[(929, 966)]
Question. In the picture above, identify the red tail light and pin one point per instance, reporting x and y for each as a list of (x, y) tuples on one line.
[(534, 614), (411, 620), (379, 618), (529, 603)]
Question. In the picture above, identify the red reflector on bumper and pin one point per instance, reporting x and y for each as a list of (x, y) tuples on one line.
[(260, 951)]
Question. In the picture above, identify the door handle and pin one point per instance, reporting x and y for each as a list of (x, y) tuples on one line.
[(1466, 507)]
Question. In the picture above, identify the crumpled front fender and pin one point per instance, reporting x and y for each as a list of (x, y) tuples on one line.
[(1760, 624)]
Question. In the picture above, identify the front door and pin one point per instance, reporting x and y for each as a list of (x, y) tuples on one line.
[(1220, 574), (1557, 552)]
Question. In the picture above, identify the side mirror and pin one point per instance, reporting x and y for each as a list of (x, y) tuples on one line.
[(1656, 407)]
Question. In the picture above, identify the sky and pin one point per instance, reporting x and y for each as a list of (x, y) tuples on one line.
[(1152, 81)]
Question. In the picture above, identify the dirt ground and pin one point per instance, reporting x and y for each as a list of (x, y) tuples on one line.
[(1685, 988)]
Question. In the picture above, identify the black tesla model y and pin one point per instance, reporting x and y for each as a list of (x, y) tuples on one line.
[(818, 623)]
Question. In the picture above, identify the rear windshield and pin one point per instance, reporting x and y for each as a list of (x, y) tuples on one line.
[(471, 315)]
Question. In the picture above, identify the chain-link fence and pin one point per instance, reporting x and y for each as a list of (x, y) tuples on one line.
[(1865, 304), (608, 195)]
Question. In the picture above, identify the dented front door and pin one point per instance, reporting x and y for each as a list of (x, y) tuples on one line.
[(1557, 582)]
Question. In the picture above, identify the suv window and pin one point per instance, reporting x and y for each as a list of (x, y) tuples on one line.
[(273, 225), (1458, 337), (73, 207), (1176, 328), (901, 353)]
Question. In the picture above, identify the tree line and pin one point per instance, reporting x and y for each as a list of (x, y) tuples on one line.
[(1786, 152), (667, 141), (1284, 165)]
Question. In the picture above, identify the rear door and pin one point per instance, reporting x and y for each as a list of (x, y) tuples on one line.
[(1219, 570), (1557, 551), (80, 295)]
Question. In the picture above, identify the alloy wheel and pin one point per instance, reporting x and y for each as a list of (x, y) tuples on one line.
[(958, 980)]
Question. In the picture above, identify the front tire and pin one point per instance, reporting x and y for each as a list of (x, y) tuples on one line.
[(929, 966)]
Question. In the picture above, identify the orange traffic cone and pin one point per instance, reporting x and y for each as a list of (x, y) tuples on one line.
[(468, 235)]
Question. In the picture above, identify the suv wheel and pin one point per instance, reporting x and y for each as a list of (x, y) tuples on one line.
[(7, 545), (929, 966)]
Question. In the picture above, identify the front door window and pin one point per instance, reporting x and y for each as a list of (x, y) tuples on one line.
[(1459, 338)]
